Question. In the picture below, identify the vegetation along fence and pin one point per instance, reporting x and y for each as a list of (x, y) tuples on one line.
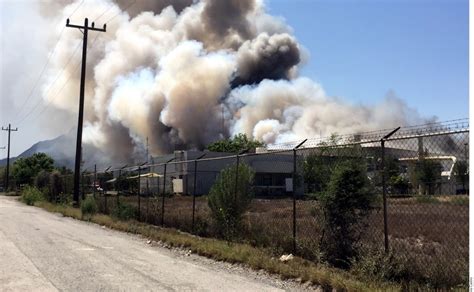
[(392, 203)]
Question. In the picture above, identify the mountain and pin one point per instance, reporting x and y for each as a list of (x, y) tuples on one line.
[(62, 149)]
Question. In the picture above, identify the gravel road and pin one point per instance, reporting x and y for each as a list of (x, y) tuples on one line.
[(41, 251)]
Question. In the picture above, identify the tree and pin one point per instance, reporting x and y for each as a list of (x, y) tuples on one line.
[(227, 206), (346, 203), (317, 165), (26, 169), (461, 172), (427, 174), (316, 172), (235, 145), (396, 181)]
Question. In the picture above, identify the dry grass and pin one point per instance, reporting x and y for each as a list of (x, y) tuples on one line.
[(256, 258), (431, 235)]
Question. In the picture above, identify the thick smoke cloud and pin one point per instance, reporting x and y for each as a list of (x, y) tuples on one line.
[(222, 17), (171, 71), (266, 57)]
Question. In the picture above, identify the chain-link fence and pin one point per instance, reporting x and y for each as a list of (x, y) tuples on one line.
[(394, 200)]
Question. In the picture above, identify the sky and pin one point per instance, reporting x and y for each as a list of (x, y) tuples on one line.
[(359, 51)]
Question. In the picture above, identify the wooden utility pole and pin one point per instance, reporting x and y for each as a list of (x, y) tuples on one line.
[(7, 179), (77, 167)]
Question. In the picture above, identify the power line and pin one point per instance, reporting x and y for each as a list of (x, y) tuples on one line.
[(79, 5), (105, 11), (47, 63), (64, 85), (126, 8), (51, 86), (41, 74)]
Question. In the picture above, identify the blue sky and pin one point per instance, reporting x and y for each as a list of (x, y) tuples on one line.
[(360, 50)]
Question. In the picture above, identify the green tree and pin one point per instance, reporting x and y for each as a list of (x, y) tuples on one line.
[(228, 206), (346, 203), (42, 181), (234, 145), (63, 170), (461, 172), (26, 169), (397, 183), (316, 172), (427, 174)]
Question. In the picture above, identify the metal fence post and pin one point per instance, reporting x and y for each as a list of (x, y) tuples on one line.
[(163, 193), (147, 195), (82, 186), (117, 186), (236, 178), (95, 180), (237, 172), (384, 190), (139, 174), (294, 193), (384, 194), (194, 189)]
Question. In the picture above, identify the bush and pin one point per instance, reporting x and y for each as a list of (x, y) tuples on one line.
[(379, 266), (31, 195), (89, 207), (42, 180), (228, 206), (125, 211), (345, 204), (56, 186)]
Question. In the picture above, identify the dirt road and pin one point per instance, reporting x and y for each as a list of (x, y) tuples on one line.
[(40, 251)]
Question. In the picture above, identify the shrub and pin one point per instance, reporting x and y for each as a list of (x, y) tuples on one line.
[(31, 195), (427, 174), (42, 180), (345, 204), (89, 207), (56, 185), (125, 211), (228, 205), (427, 200), (379, 266)]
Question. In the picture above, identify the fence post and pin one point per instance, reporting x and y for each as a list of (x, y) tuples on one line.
[(139, 207), (294, 192), (82, 186), (95, 180), (236, 178), (117, 186), (237, 172), (147, 194), (384, 189), (194, 189), (163, 193)]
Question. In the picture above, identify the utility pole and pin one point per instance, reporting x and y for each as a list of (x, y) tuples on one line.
[(9, 129), (77, 167)]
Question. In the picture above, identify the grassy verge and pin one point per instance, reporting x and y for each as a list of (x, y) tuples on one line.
[(255, 258)]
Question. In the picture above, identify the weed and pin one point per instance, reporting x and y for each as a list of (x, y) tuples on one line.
[(31, 195), (124, 211), (427, 199), (89, 207)]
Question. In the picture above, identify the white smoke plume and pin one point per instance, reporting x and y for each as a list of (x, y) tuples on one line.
[(171, 71)]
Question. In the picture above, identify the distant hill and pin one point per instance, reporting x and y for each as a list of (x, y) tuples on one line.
[(62, 149)]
